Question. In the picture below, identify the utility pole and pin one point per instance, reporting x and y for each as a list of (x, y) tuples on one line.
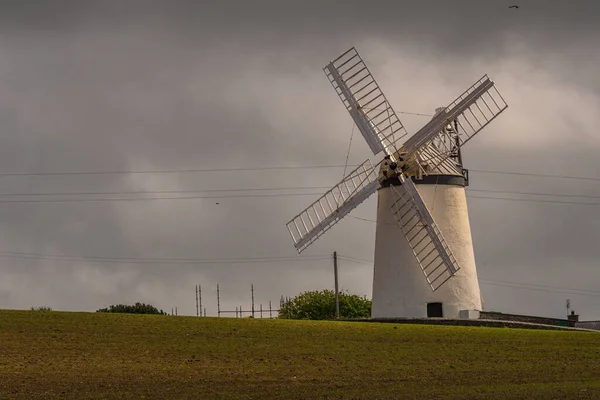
[(218, 302), (337, 295), (197, 310), (200, 298), (252, 289)]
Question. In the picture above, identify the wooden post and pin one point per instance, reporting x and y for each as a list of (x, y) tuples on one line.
[(218, 302), (337, 296), (200, 298), (252, 289)]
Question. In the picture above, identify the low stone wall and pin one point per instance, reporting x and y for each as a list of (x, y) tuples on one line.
[(468, 322), (492, 315), (595, 325)]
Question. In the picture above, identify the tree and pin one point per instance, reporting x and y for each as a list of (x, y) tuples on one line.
[(319, 305), (137, 308)]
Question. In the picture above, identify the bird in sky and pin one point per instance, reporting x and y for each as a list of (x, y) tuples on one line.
[(515, 6)]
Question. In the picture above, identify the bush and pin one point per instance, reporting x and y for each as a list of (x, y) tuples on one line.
[(42, 308), (137, 308), (320, 305)]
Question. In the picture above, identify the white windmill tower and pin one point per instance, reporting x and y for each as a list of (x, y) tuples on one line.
[(423, 237)]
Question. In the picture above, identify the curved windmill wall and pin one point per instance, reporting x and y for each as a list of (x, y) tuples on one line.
[(399, 285)]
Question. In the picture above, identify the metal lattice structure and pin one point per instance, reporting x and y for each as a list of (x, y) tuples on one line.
[(429, 150), (366, 103), (424, 238), (320, 216)]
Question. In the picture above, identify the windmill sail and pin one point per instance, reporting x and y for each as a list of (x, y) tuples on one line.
[(320, 216), (366, 103), (472, 111), (424, 237), (436, 161)]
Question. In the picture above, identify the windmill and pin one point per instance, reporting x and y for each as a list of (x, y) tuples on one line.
[(424, 262)]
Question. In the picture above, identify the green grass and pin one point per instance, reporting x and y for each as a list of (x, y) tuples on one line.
[(52, 355)]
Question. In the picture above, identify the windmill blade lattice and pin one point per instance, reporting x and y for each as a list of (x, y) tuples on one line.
[(473, 110), (424, 238), (366, 103), (319, 217), (432, 157)]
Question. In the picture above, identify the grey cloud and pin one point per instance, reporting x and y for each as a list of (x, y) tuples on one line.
[(152, 85)]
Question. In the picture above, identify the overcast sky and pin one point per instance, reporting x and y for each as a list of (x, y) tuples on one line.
[(178, 85)]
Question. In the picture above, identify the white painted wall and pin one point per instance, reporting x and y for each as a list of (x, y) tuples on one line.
[(399, 286)]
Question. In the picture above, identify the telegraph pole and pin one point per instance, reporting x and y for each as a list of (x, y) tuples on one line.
[(218, 302), (197, 310), (252, 289), (337, 295)]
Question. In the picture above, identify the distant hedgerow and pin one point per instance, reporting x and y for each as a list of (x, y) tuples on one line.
[(137, 308), (42, 308)]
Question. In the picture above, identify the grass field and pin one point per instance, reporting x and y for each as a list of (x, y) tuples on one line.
[(52, 355)]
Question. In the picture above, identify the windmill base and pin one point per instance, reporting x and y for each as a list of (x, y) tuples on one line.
[(400, 289)]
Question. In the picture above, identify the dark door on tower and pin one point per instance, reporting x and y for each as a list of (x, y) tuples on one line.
[(434, 310)]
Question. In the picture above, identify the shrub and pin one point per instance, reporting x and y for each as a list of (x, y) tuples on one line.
[(137, 308), (41, 308), (320, 305)]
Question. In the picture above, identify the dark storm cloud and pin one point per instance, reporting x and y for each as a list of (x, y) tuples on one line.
[(470, 23), (160, 85)]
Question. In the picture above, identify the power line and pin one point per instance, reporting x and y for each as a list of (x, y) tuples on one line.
[(414, 113), (274, 168), (169, 171), (158, 260), (534, 175), (150, 192), (162, 191), (159, 198), (542, 286), (580, 203), (357, 260), (268, 259), (96, 200), (566, 291), (515, 285), (534, 193)]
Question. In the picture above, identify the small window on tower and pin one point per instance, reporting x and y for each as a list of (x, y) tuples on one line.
[(434, 310)]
